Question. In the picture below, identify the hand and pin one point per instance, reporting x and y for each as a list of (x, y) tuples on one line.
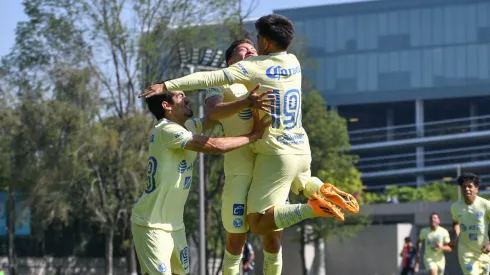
[(416, 268), (155, 89), (486, 248), (453, 243), (259, 125), (260, 101), (245, 266), (437, 247)]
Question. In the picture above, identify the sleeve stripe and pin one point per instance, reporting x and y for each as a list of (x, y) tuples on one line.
[(228, 76)]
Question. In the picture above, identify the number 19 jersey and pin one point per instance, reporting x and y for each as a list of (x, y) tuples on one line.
[(169, 176), (279, 72)]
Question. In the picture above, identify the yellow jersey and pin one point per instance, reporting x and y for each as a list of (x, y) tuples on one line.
[(239, 161), (473, 222), (279, 72), (431, 238), (168, 176)]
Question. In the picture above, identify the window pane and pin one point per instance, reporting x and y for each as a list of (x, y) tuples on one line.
[(437, 62), (427, 75), (362, 72), (459, 24), (437, 26), (362, 32), (340, 39), (404, 22), (373, 72), (351, 66), (372, 34), (404, 61), (330, 73), (415, 31), (471, 23), (394, 67), (449, 70), (341, 63), (472, 56), (460, 64), (448, 25), (426, 30), (483, 61), (416, 70), (393, 22), (383, 63), (330, 34), (383, 23)]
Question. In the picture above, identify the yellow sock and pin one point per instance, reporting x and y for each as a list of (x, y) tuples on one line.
[(273, 263), (231, 264), (312, 186)]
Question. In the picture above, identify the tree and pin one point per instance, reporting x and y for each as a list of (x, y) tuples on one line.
[(328, 137), (436, 191), (76, 68)]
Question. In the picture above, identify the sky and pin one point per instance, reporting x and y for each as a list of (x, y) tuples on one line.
[(12, 12)]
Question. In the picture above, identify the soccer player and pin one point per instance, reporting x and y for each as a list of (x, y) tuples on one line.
[(470, 223), (283, 154), (436, 240), (157, 218), (230, 104)]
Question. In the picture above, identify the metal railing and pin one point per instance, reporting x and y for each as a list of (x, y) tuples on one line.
[(429, 129), (484, 179), (431, 158)]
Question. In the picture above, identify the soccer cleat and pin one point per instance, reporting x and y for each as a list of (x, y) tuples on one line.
[(323, 208), (345, 200)]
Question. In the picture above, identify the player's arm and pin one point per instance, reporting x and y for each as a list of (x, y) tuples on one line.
[(236, 73), (420, 239), (445, 243), (218, 109), (456, 228), (219, 145)]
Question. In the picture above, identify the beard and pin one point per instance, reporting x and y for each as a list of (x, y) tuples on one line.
[(189, 113)]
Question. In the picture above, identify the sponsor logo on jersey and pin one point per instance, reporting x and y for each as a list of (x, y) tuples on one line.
[(244, 71), (463, 227), (245, 114), (479, 215), (184, 256), (162, 268), (276, 72), (183, 166), (187, 182), (288, 139), (238, 222), (238, 209)]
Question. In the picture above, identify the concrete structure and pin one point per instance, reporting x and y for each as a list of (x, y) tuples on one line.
[(412, 79)]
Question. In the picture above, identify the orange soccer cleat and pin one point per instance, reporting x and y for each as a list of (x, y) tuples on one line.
[(323, 208), (344, 200)]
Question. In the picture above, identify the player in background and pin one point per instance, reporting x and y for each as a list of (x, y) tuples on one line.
[(470, 224), (157, 218), (408, 257), (437, 241), (283, 154)]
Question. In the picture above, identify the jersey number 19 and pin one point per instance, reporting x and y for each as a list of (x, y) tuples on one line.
[(288, 107)]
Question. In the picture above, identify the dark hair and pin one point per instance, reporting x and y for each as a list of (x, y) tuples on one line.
[(277, 28), (434, 213), (408, 239), (155, 104), (231, 48), (469, 177)]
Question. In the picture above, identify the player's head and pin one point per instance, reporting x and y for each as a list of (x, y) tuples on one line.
[(274, 33), (170, 105), (434, 220), (469, 183), (408, 241), (239, 50)]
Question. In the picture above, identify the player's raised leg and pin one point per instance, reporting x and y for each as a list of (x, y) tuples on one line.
[(270, 186)]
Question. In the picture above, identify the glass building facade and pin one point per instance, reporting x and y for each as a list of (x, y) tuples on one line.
[(371, 48), (412, 78)]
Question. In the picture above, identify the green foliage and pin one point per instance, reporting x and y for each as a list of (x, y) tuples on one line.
[(328, 136), (436, 191)]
